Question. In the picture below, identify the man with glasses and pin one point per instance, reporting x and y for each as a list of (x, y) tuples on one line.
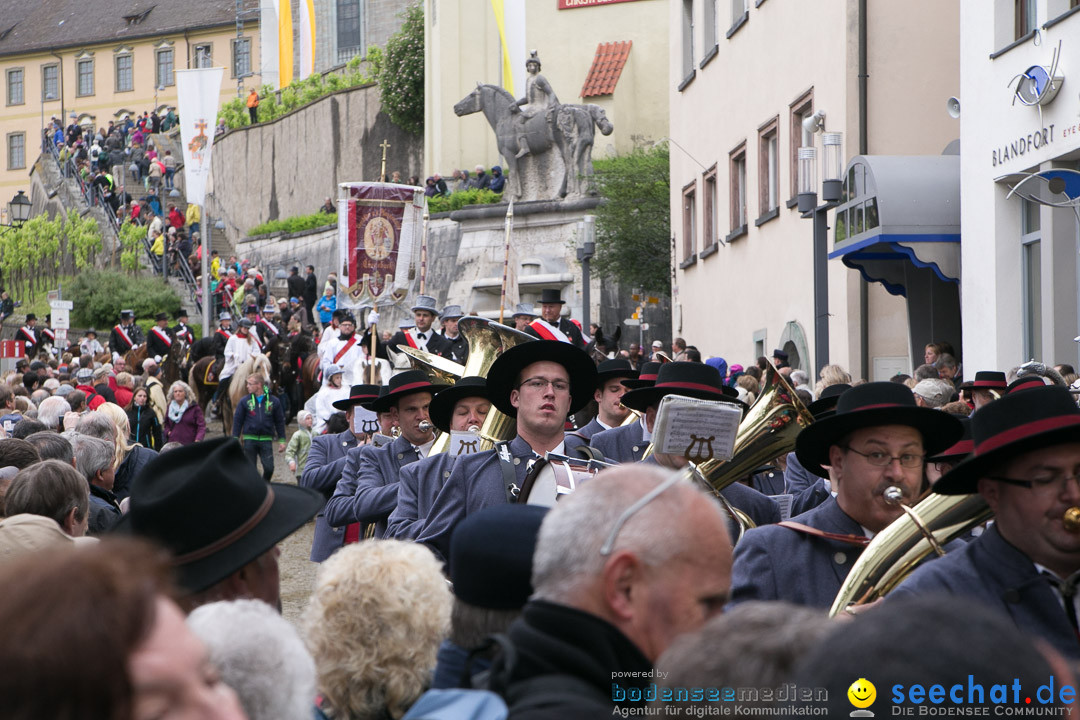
[(632, 559), (539, 384), (877, 439), (1026, 564)]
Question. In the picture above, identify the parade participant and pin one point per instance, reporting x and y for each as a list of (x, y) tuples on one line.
[(326, 461), (608, 395), (46, 333), (227, 548), (322, 404), (627, 443), (181, 329), (421, 336), (251, 314), (158, 340), (810, 490), (268, 329), (345, 351), (126, 335), (703, 382), (89, 345), (539, 384), (259, 418), (458, 346), (878, 438), (238, 349), (1026, 564), (780, 359), (550, 326), (330, 332), (614, 585), (222, 335), (987, 386), (456, 409), (368, 488), (523, 315), (28, 333)]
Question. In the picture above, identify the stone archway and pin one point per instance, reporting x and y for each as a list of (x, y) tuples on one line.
[(793, 342)]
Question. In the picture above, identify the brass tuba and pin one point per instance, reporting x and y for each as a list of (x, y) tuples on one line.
[(440, 370), (898, 549)]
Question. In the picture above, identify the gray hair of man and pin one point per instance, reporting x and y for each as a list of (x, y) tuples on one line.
[(799, 377), (568, 548), (92, 454), (97, 425), (755, 644), (260, 655), (51, 446), (51, 410), (52, 489)]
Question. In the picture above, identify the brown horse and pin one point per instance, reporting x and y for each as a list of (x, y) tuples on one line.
[(197, 379)]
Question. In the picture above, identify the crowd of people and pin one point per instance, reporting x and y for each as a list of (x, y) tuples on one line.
[(641, 591)]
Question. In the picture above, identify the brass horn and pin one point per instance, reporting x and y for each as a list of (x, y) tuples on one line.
[(898, 549), (440, 370)]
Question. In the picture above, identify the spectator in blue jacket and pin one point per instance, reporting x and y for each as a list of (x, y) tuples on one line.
[(259, 418), (327, 305), (498, 180)]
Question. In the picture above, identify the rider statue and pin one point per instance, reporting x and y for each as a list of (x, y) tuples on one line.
[(539, 99)]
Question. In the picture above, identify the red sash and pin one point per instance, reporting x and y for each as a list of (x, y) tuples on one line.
[(224, 333), (123, 334), (410, 339), (30, 339), (48, 333), (255, 337), (342, 351), (268, 325), (544, 331), (163, 337)]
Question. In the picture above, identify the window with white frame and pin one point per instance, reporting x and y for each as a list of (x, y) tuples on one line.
[(738, 9), (50, 81), (125, 79), (204, 55), (737, 173), (687, 37), (802, 108), (84, 72), (241, 57), (710, 215), (16, 87), (769, 166), (350, 36), (689, 221), (164, 75), (710, 25), (16, 151)]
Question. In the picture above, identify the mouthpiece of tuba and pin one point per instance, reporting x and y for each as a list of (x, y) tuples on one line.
[(1071, 519), (893, 495), (425, 426)]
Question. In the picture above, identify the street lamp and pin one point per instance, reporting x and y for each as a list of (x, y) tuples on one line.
[(586, 248), (831, 190), (19, 209)]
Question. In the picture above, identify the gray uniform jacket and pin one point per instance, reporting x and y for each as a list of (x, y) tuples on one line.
[(419, 484), (777, 563), (368, 488), (991, 571), (326, 460), (622, 444)]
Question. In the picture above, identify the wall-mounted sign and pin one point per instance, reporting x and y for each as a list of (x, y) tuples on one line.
[(1023, 145), (574, 4), (1038, 85)]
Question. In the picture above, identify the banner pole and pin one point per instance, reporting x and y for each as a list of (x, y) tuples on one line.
[(506, 261), (423, 249)]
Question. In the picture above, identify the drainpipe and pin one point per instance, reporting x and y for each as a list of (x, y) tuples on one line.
[(864, 148), (187, 49), (63, 112)]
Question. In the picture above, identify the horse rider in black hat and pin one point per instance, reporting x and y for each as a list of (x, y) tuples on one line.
[(206, 504), (1026, 564), (539, 383), (367, 491), (877, 440), (420, 337), (28, 333), (326, 461), (458, 408), (159, 341), (181, 329), (125, 335), (551, 325)]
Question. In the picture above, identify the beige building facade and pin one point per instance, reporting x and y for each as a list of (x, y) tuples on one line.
[(57, 61), (464, 48), (743, 75)]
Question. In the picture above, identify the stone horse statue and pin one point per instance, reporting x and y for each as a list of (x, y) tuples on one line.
[(570, 129)]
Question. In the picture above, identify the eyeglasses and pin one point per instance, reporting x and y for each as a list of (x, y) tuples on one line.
[(629, 512), (540, 384), (1054, 485), (881, 459)]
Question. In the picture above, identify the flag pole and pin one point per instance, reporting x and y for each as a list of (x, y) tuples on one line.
[(506, 260), (423, 249)]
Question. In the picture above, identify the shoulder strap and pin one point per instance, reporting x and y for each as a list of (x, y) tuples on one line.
[(860, 540), (506, 464)]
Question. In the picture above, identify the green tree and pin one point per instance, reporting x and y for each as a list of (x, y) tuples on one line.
[(401, 77), (633, 225)]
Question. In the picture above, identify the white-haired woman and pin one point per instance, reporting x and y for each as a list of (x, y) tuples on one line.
[(184, 421), (374, 624)]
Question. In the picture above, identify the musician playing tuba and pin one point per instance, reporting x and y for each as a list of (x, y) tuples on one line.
[(1026, 564), (877, 440)]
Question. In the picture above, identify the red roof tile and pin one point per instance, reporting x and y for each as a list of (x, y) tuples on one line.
[(606, 68)]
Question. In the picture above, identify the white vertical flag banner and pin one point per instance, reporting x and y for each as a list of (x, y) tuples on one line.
[(307, 38), (198, 93), (268, 43)]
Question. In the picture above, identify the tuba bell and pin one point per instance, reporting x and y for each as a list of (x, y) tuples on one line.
[(439, 370)]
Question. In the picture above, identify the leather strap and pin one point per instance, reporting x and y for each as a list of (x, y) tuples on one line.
[(506, 464), (859, 540)]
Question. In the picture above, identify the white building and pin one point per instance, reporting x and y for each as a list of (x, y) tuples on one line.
[(744, 75), (1020, 266)]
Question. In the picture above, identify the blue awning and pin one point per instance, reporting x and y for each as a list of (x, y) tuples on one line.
[(900, 215)]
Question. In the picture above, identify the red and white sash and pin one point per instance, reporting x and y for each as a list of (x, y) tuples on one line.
[(345, 349), (224, 333), (255, 336), (29, 335), (268, 325), (547, 332), (409, 338), (123, 333), (163, 337), (48, 334)]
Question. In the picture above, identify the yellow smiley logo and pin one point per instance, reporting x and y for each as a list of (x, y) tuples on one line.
[(862, 693)]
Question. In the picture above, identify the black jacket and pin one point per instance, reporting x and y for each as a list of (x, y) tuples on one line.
[(311, 290), (557, 641), (296, 286), (104, 511), (145, 428)]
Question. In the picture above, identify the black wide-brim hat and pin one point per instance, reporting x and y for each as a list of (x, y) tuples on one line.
[(960, 449), (690, 379), (1020, 422), (872, 405), (503, 376), (441, 410), (646, 376), (825, 405), (409, 382), (987, 380), (614, 368), (362, 395), (491, 555), (208, 506)]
